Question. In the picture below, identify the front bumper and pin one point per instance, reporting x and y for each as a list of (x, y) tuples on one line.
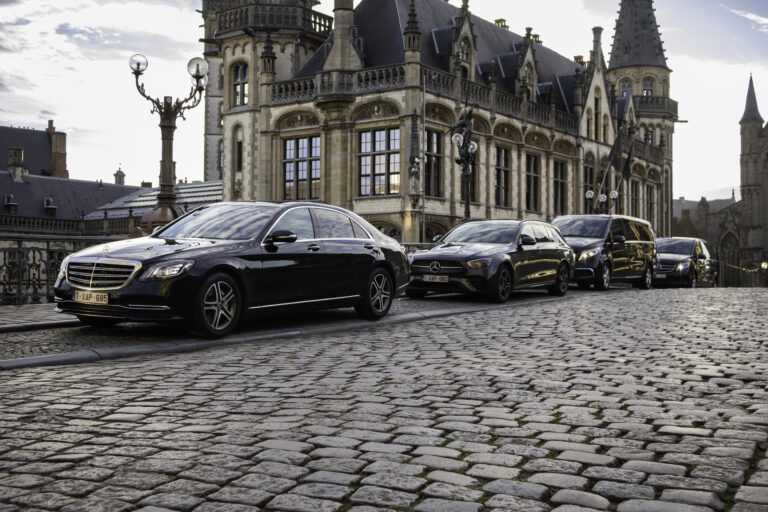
[(455, 284), (671, 278)]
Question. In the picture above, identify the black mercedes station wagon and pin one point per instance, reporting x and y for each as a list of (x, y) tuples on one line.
[(684, 262), (493, 257), (224, 261), (610, 248)]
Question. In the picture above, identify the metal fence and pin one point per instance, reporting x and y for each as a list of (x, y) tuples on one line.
[(29, 265)]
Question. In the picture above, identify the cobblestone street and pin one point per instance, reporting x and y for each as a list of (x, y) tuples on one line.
[(633, 401)]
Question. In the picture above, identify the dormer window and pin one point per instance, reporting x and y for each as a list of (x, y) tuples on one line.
[(49, 207), (464, 50), (11, 206), (626, 87)]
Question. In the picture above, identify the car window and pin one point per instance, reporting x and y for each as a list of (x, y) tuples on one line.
[(554, 235), (587, 227), (705, 250), (333, 224), (223, 221), (646, 232), (299, 221), (697, 249), (633, 230), (542, 234), (359, 231), (527, 231), (618, 228)]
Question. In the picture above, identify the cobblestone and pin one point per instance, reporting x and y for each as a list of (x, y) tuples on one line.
[(659, 411)]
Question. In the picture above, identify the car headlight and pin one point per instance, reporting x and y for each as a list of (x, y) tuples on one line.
[(63, 270), (167, 270), (682, 265), (479, 264), (588, 255)]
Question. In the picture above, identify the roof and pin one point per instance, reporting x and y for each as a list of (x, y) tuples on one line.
[(188, 195), (636, 39), (37, 148), (715, 205), (72, 198), (751, 113), (381, 24)]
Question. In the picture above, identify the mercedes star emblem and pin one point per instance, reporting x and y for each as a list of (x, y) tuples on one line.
[(434, 267)]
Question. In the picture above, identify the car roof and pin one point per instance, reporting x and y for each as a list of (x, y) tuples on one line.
[(603, 216)]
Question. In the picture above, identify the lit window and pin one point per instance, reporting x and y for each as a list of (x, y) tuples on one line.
[(379, 161), (301, 168), (240, 84)]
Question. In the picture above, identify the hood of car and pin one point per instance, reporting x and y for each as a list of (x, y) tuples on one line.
[(668, 257), (149, 248), (580, 243), (461, 251)]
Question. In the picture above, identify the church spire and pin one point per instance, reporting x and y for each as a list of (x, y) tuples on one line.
[(751, 113), (636, 40)]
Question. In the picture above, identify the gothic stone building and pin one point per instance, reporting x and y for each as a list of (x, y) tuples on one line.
[(356, 110)]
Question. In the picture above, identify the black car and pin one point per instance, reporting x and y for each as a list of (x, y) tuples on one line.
[(610, 248), (684, 262), (493, 257), (224, 261)]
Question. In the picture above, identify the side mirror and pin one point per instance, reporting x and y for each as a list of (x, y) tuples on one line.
[(701, 257), (527, 240), (437, 238), (156, 229), (619, 239), (284, 236)]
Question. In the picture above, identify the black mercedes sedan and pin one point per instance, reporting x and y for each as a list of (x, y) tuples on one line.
[(684, 262), (494, 257), (219, 263)]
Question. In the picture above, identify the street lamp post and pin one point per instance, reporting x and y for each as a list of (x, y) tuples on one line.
[(462, 138), (169, 110)]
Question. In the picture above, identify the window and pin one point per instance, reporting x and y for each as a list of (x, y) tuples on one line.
[(617, 228), (589, 124), (502, 177), (649, 203), (221, 116), (559, 192), (527, 230), (220, 158), (589, 184), (597, 116), (541, 234), (237, 156), (301, 168), (649, 137), (239, 84), (626, 87), (380, 162), (605, 129), (464, 50), (299, 221), (648, 87), (634, 192), (532, 183), (433, 165), (333, 224), (471, 182)]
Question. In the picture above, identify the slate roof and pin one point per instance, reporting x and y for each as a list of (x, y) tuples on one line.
[(189, 195), (751, 113), (636, 39), (381, 24), (37, 149), (72, 198)]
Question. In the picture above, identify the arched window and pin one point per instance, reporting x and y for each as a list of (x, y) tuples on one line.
[(605, 129), (647, 86), (464, 50), (597, 114), (626, 87), (240, 84), (589, 124), (649, 136)]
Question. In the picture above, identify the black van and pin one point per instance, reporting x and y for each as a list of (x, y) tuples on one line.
[(610, 248)]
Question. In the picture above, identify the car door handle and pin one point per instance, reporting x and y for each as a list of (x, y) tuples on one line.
[(371, 247), (313, 247)]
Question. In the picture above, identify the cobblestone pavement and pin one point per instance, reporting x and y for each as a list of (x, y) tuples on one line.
[(628, 400)]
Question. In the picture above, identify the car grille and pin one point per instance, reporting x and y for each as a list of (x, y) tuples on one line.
[(451, 268), (665, 267), (97, 275)]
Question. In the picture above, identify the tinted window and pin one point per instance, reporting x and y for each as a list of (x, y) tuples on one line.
[(484, 232), (587, 227), (359, 232), (528, 231), (705, 250), (333, 224), (646, 233), (633, 230), (618, 228), (222, 222), (555, 236), (674, 246), (542, 233), (299, 221)]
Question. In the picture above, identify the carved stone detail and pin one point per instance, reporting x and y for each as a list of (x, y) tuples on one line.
[(440, 114), (565, 148), (537, 140), (378, 110), (507, 131), (299, 120)]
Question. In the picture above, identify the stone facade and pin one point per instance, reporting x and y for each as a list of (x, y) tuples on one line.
[(343, 115)]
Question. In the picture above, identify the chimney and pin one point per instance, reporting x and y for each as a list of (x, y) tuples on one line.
[(579, 59), (58, 152), (16, 163), (501, 22), (119, 177), (597, 34), (146, 184)]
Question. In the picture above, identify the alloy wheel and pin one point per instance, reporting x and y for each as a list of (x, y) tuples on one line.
[(562, 280), (380, 293), (505, 283), (219, 305)]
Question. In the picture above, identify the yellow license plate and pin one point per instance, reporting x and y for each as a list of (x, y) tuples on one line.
[(91, 297)]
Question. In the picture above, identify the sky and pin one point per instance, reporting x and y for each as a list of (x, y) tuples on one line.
[(68, 61)]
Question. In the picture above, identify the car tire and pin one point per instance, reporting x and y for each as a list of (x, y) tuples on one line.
[(562, 280), (217, 307), (97, 321), (377, 296), (603, 277), (416, 294), (692, 280), (583, 285), (647, 279), (502, 284)]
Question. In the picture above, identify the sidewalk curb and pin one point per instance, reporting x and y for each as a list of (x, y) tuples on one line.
[(39, 325), (196, 344)]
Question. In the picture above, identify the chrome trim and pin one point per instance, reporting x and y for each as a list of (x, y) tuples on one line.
[(305, 302), (148, 307), (139, 307), (314, 239), (137, 266)]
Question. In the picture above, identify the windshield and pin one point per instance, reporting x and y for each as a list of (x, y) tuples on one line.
[(222, 222), (484, 233), (582, 226), (672, 246)]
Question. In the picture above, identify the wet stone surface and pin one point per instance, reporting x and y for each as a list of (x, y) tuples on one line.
[(626, 401)]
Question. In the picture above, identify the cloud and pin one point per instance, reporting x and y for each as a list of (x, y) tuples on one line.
[(20, 22), (47, 113), (760, 22), (3, 87), (106, 42), (4, 3)]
